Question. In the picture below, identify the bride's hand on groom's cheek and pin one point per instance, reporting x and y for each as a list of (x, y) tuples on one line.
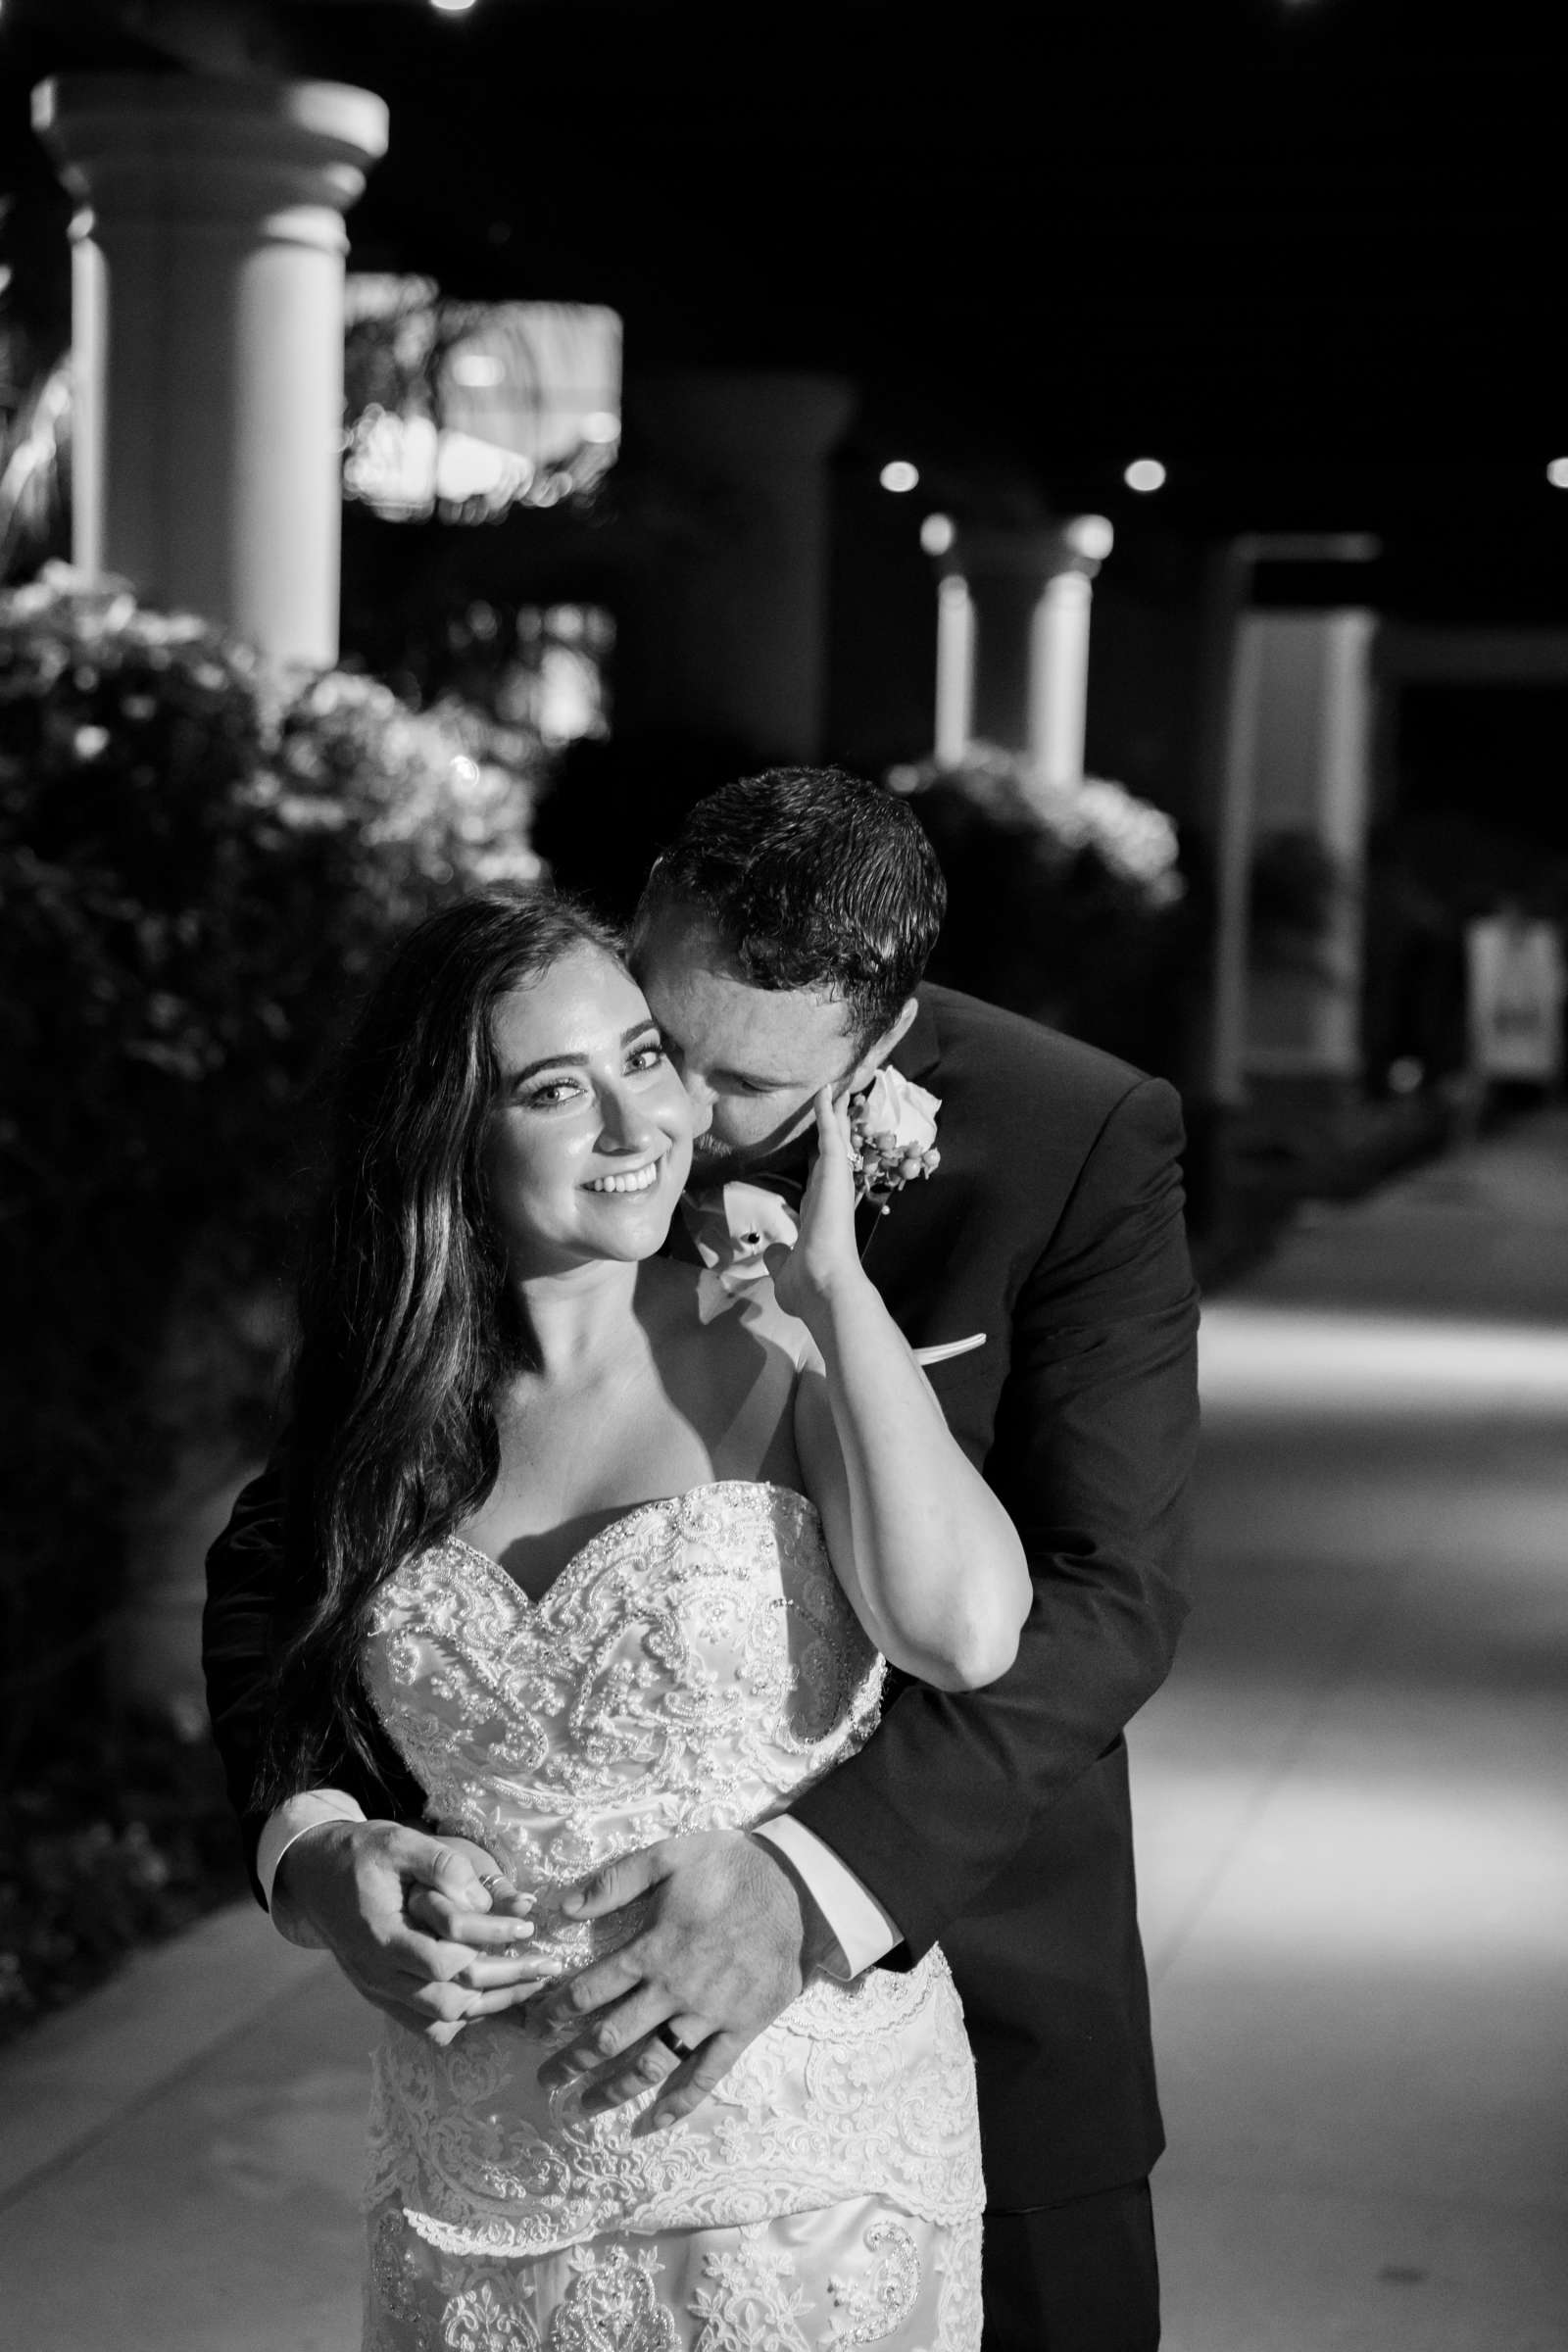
[(826, 1252)]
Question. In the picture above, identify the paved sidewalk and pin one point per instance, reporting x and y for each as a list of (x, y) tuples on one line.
[(1352, 1846), (1352, 1803), (179, 2155)]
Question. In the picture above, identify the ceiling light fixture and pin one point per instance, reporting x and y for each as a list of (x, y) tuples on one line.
[(1090, 536)]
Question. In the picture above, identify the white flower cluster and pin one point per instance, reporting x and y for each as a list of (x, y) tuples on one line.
[(94, 618), (338, 752), (893, 1135), (1134, 837)]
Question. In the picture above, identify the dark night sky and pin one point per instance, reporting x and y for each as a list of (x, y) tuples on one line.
[(1308, 252)]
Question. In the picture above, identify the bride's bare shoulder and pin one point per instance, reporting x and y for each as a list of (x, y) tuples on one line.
[(752, 1320)]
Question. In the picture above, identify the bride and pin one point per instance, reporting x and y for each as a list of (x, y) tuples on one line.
[(605, 1571)]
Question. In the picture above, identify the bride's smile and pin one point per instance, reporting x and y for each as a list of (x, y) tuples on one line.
[(590, 1142)]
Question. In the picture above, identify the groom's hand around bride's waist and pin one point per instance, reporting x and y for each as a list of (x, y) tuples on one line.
[(721, 1950)]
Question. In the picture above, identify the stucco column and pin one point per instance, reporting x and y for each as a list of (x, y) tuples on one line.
[(208, 329), (1058, 675), (955, 727), (1300, 766), (1014, 642), (729, 636)]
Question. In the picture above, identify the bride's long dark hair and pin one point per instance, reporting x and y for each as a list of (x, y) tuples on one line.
[(405, 1321)]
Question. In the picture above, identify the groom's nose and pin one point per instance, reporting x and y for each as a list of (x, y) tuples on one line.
[(699, 1092), (701, 1099)]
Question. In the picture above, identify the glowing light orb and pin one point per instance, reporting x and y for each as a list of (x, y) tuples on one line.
[(937, 534), (1144, 474), (479, 370), (900, 475), (1090, 536)]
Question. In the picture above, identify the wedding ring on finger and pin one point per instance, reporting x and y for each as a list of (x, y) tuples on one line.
[(673, 2042)]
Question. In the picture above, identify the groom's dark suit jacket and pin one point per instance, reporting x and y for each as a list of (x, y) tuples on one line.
[(996, 1819)]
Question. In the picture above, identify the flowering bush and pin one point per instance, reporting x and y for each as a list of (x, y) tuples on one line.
[(197, 868), (1094, 832), (1059, 895)]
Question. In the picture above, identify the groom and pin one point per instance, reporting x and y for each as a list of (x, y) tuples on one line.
[(1043, 1273)]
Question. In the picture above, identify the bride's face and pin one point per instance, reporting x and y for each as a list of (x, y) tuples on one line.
[(590, 1141)]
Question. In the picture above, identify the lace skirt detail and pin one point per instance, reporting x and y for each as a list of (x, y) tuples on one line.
[(862, 2089), (861, 2272)]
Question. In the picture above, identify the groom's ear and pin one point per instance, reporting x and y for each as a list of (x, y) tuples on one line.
[(881, 1049)]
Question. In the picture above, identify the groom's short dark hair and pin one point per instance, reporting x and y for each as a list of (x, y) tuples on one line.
[(813, 879)]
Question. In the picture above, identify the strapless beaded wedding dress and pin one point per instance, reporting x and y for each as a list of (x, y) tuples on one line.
[(693, 1667)]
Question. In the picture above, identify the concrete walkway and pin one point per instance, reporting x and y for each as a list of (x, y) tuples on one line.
[(1354, 1857), (1353, 1798)]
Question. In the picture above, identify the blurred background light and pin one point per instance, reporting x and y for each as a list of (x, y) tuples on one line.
[(1557, 474), (523, 409), (1342, 1364), (900, 475), (452, 8), (477, 370), (1144, 474), (937, 533), (1091, 535)]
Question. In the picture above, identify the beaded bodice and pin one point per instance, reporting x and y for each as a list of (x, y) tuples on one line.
[(692, 1667)]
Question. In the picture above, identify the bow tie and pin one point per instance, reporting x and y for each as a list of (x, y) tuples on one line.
[(733, 1226)]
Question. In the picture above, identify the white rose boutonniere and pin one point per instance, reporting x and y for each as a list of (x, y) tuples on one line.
[(893, 1135)]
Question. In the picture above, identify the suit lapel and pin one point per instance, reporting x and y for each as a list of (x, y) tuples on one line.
[(919, 1049)]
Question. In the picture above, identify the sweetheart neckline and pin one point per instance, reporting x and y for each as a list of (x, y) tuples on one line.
[(638, 1510)]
